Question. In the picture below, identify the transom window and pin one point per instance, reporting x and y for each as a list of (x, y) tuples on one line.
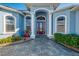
[(41, 18), (10, 23), (28, 17), (61, 24)]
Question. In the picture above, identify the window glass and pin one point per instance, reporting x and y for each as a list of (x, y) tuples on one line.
[(61, 24), (10, 24)]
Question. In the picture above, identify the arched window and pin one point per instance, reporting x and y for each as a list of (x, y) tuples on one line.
[(28, 20), (10, 24), (61, 24), (28, 23)]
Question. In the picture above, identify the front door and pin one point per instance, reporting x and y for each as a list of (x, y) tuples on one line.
[(40, 28)]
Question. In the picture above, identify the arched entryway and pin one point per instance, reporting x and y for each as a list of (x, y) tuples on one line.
[(41, 17), (41, 13)]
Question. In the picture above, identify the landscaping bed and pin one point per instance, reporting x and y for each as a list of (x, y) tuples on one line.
[(9, 40), (68, 40)]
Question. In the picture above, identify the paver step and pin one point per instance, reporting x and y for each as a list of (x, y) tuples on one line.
[(41, 36)]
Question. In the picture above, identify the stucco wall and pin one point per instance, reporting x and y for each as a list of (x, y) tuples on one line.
[(19, 23), (72, 22), (67, 14), (77, 22)]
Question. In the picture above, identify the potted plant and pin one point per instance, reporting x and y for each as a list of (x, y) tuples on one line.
[(26, 35)]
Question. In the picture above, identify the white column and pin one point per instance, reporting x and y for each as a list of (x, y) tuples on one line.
[(50, 25), (32, 25)]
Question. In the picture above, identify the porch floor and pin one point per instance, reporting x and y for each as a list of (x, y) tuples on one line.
[(40, 46)]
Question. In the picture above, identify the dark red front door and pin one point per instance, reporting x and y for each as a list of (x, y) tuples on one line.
[(40, 27)]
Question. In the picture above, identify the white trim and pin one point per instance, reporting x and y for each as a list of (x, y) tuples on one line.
[(66, 8), (32, 25), (65, 23), (5, 24), (50, 25), (11, 9), (41, 9)]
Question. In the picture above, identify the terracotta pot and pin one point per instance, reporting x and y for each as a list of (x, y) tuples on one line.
[(26, 36)]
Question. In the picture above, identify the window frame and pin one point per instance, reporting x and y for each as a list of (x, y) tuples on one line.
[(64, 24), (5, 32), (25, 20)]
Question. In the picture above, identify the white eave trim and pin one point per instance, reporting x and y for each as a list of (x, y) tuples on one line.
[(75, 8), (11, 9), (66, 8)]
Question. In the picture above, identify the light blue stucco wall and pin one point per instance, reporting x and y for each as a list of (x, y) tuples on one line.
[(1, 24), (77, 22), (67, 14), (72, 22), (19, 23)]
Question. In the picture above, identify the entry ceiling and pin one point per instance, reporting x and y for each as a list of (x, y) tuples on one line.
[(52, 5)]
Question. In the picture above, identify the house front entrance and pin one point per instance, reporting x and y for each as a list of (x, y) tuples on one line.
[(40, 25), (41, 22)]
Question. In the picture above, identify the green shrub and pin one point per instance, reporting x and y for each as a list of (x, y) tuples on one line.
[(16, 38), (68, 39), (57, 37), (10, 39), (1, 41)]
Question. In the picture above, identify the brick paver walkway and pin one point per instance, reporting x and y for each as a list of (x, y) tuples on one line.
[(41, 46)]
